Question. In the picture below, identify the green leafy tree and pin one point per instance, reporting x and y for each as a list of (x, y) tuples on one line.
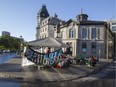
[(12, 43), (2, 48)]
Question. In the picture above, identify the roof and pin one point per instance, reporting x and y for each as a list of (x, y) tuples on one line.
[(44, 11), (68, 22), (47, 42), (82, 15), (89, 22), (71, 20)]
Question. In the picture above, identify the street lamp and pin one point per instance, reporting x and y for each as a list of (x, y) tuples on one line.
[(107, 39), (21, 45)]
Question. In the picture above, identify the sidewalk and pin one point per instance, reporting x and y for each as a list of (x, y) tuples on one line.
[(13, 69)]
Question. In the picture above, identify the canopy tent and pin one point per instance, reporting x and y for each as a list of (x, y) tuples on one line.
[(30, 59), (47, 42)]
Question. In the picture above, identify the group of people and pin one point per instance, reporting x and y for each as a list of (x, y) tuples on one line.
[(63, 60), (91, 61)]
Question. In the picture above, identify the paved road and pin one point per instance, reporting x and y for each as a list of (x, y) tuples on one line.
[(101, 79), (104, 78), (110, 71), (6, 56), (9, 83), (13, 69)]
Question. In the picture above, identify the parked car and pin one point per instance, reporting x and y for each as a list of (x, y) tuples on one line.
[(6, 51)]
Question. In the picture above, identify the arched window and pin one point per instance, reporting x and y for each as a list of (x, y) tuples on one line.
[(71, 33), (84, 47), (93, 48)]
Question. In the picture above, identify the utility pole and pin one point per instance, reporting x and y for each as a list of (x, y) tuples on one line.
[(107, 41)]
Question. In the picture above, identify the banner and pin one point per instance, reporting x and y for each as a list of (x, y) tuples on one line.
[(43, 59)]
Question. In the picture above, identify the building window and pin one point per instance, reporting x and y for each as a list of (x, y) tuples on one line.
[(84, 33), (93, 48), (93, 36), (84, 47), (113, 28), (43, 23), (114, 23), (88, 33), (71, 33), (98, 33), (43, 29)]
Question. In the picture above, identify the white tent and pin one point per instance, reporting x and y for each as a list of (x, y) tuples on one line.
[(47, 42)]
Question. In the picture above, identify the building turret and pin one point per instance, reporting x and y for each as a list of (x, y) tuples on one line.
[(82, 17), (42, 14)]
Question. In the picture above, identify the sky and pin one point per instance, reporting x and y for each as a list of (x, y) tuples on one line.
[(19, 17)]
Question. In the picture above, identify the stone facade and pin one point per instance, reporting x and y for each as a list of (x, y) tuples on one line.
[(45, 23), (82, 36), (77, 39)]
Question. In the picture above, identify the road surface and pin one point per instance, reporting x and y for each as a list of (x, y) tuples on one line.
[(105, 78)]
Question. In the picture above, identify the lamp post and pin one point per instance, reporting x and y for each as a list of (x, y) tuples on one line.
[(21, 45), (99, 53), (107, 40)]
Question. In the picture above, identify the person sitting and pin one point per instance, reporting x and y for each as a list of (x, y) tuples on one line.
[(93, 61), (89, 62)]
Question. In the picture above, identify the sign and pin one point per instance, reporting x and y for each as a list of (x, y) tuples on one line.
[(42, 58)]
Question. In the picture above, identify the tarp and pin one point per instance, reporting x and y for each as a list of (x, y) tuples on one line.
[(47, 42), (31, 57), (25, 61)]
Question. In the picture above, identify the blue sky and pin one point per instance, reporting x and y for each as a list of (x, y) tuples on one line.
[(19, 17)]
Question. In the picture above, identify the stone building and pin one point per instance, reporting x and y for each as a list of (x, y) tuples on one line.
[(86, 37), (82, 36), (5, 33), (46, 23)]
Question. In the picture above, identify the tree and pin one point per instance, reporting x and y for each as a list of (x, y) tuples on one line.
[(2, 48), (8, 42)]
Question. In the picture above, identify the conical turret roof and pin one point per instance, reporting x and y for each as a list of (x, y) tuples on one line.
[(43, 12)]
